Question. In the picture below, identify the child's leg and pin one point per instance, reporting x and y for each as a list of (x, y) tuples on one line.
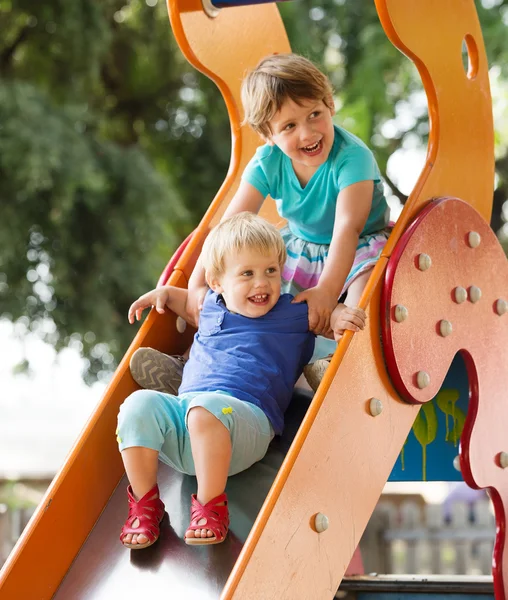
[(148, 421), (227, 436), (211, 451)]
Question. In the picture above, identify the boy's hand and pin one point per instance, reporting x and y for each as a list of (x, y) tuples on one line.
[(157, 298), (321, 306), (346, 318), (195, 299)]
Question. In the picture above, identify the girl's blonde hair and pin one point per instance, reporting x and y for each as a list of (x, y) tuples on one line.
[(242, 231), (277, 78)]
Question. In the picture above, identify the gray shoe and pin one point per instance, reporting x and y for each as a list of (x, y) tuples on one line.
[(154, 370), (315, 371)]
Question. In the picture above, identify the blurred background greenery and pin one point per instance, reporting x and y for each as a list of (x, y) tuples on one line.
[(112, 147)]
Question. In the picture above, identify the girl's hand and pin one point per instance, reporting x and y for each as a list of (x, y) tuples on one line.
[(321, 305), (346, 318), (157, 298), (195, 299)]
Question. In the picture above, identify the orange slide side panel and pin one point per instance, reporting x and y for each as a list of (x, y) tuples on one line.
[(81, 490)]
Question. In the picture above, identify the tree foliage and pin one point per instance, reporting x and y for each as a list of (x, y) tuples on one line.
[(112, 146)]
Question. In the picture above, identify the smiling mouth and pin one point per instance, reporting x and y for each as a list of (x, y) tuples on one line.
[(259, 299), (313, 148)]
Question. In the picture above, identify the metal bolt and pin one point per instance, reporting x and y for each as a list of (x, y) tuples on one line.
[(501, 306), (445, 328), (424, 262), (422, 379), (375, 407), (503, 459), (401, 313), (321, 522), (181, 325), (460, 295), (474, 239), (456, 463), (475, 294)]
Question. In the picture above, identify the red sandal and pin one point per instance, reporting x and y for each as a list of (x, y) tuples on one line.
[(217, 520), (150, 513)]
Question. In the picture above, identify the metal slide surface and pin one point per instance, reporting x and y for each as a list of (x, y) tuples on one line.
[(104, 570)]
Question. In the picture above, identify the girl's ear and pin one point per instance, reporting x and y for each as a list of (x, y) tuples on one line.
[(329, 102)]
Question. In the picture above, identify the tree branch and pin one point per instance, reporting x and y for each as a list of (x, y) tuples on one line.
[(8, 52), (396, 192)]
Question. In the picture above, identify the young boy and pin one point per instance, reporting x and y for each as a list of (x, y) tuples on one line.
[(250, 348)]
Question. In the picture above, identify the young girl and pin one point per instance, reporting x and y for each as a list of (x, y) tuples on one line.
[(325, 182)]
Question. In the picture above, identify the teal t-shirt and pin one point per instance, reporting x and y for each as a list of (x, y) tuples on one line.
[(310, 211)]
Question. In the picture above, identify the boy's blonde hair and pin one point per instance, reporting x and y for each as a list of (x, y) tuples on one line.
[(277, 78), (242, 231)]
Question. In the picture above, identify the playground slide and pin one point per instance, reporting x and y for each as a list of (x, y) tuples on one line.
[(344, 450)]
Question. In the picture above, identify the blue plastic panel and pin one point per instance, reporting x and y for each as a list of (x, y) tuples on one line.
[(418, 596), (453, 399), (228, 3)]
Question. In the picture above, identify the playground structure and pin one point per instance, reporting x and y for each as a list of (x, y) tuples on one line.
[(437, 290)]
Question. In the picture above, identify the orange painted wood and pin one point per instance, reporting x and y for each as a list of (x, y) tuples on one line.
[(479, 333), (342, 456), (460, 161), (81, 490), (460, 155), (224, 48)]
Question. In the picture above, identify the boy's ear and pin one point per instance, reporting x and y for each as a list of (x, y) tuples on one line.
[(213, 283)]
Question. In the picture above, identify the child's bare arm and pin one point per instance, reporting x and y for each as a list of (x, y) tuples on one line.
[(161, 298), (353, 206)]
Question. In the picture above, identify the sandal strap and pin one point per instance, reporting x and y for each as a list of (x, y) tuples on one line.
[(148, 510), (217, 517)]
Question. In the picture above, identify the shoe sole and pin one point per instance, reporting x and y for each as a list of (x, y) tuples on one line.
[(155, 371)]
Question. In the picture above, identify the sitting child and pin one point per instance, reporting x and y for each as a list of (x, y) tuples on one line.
[(250, 348)]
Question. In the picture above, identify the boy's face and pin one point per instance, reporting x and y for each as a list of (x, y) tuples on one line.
[(304, 133), (250, 284)]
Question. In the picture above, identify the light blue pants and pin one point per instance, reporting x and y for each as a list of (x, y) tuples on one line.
[(159, 421)]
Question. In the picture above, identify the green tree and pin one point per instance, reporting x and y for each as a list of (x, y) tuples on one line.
[(102, 123)]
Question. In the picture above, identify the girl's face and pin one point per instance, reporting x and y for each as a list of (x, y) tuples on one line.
[(305, 134)]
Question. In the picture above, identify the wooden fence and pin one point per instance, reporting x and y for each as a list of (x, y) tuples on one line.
[(413, 539), (12, 523)]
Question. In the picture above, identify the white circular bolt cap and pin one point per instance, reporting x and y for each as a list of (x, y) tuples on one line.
[(445, 328), (475, 294), (181, 325), (401, 313), (473, 239), (503, 459), (460, 295), (375, 407), (456, 463), (424, 262), (321, 522), (422, 379), (501, 306)]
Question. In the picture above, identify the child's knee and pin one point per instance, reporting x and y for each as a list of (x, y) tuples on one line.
[(137, 407), (200, 419)]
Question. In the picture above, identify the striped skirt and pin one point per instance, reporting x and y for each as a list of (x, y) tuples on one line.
[(306, 260), (305, 263)]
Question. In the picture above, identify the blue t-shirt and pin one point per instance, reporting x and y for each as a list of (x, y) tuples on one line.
[(310, 211), (255, 360)]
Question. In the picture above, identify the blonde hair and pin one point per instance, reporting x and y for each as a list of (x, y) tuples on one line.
[(277, 78), (239, 232)]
